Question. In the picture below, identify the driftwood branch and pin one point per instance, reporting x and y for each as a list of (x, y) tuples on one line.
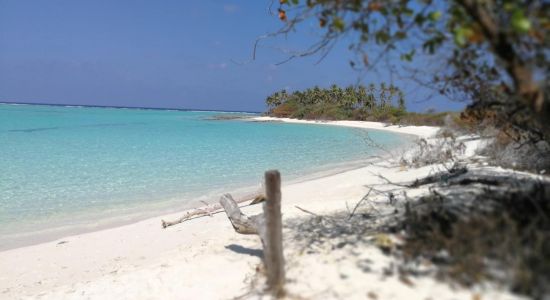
[(195, 213), (241, 222), (208, 210)]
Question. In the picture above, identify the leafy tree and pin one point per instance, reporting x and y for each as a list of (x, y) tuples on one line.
[(497, 49)]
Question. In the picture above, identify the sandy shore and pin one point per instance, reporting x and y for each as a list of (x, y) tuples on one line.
[(419, 131), (205, 259)]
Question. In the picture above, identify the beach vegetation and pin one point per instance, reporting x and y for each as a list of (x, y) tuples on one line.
[(379, 103), (481, 225)]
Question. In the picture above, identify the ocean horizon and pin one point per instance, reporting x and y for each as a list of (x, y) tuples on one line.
[(130, 107), (73, 168)]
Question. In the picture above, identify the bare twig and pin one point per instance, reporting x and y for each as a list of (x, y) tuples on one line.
[(307, 211), (359, 203), (389, 181), (196, 213)]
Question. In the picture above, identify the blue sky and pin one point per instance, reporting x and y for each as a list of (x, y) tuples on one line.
[(174, 54)]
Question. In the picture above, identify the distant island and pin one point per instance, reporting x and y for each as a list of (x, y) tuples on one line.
[(377, 103)]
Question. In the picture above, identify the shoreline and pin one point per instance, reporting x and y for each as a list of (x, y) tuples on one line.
[(418, 131), (60, 230), (142, 213)]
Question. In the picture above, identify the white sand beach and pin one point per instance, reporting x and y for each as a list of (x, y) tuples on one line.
[(204, 258), (420, 131)]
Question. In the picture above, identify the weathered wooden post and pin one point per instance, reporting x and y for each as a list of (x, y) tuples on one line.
[(269, 226), (273, 250)]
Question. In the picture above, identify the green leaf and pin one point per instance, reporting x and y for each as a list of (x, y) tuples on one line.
[(382, 37), (509, 6), (338, 23), (395, 11), (430, 46), (459, 39), (408, 12), (419, 19), (434, 15), (295, 2), (408, 56), (461, 35), (400, 35), (520, 22)]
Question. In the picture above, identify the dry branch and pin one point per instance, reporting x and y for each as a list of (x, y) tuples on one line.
[(241, 222), (307, 211), (195, 213), (208, 210), (439, 177), (258, 199), (359, 203)]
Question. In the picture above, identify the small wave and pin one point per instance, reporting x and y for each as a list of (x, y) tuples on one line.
[(33, 129), (30, 130)]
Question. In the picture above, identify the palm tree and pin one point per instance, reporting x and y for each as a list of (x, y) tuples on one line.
[(401, 101), (273, 100), (350, 98), (371, 98), (361, 95), (335, 94), (317, 95)]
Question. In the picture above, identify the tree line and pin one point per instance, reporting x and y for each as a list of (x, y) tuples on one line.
[(352, 102)]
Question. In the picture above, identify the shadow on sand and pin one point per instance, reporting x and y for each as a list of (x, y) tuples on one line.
[(242, 250)]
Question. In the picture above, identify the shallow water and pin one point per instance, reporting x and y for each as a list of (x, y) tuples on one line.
[(66, 166)]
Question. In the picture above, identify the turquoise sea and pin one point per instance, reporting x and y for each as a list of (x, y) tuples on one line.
[(63, 168)]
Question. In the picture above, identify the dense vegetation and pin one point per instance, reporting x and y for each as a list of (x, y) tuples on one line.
[(383, 103)]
